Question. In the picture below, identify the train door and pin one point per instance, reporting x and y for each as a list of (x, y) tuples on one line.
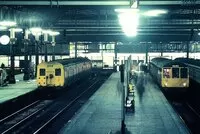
[(42, 77), (50, 77)]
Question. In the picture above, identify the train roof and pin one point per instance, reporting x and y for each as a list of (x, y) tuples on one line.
[(191, 61), (70, 60), (164, 62)]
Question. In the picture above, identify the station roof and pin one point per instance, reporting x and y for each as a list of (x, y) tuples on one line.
[(97, 20)]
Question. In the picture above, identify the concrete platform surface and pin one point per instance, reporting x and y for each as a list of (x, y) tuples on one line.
[(15, 90), (102, 113)]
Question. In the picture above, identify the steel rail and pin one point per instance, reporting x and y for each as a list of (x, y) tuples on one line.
[(62, 110)]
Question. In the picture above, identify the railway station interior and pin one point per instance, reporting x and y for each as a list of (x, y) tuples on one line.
[(100, 66)]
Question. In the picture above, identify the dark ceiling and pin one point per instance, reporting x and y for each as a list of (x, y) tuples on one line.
[(94, 20)]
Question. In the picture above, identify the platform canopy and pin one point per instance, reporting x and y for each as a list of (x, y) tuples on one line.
[(99, 20)]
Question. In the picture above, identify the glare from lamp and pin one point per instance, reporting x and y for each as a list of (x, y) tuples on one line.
[(129, 22), (17, 30), (3, 28), (46, 31), (36, 30), (155, 12), (4, 40), (53, 33), (8, 23)]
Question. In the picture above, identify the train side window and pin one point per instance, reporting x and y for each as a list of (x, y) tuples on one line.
[(57, 72), (175, 72), (42, 72), (184, 73), (166, 73)]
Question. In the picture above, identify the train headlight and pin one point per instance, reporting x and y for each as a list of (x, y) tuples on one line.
[(184, 84), (166, 84)]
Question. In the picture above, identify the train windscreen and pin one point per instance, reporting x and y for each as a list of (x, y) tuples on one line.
[(175, 72), (184, 72), (58, 72), (42, 72), (166, 73)]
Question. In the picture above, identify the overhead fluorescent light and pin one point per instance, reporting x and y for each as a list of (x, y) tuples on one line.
[(53, 33), (155, 12), (8, 23), (129, 22), (17, 30), (3, 28)]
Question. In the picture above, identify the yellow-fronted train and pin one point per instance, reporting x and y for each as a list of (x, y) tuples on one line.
[(63, 72), (170, 74)]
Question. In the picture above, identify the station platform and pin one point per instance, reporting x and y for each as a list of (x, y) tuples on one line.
[(102, 112), (21, 87)]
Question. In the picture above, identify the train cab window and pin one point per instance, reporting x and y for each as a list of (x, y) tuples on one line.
[(42, 72), (166, 73), (58, 72), (184, 73), (175, 72)]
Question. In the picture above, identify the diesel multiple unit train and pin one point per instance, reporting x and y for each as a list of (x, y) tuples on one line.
[(170, 73), (63, 72), (194, 67)]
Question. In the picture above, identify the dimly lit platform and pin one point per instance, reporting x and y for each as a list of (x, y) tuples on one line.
[(21, 87), (102, 113)]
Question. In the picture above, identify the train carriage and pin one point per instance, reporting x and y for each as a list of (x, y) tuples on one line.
[(194, 67), (63, 72), (170, 74)]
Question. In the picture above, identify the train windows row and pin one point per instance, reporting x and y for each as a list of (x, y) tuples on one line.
[(57, 72), (176, 72)]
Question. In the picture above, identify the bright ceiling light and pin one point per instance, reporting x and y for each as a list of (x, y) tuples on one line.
[(155, 12), (36, 30), (4, 40), (3, 28), (17, 30), (54, 33), (129, 22), (8, 23), (46, 31)]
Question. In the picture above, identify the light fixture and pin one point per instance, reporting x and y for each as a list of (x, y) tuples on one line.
[(129, 22), (8, 23), (53, 33), (4, 40), (155, 12), (36, 30), (17, 30), (3, 28), (46, 31)]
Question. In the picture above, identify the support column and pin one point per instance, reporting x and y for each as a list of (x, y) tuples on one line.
[(75, 49), (115, 58), (53, 47), (161, 46), (12, 57), (36, 53), (187, 51), (45, 45), (146, 53), (27, 62)]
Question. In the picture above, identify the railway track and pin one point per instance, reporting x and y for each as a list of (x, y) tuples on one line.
[(38, 116), (189, 114), (13, 121), (66, 107)]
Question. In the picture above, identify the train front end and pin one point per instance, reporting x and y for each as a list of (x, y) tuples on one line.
[(175, 76), (50, 75)]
